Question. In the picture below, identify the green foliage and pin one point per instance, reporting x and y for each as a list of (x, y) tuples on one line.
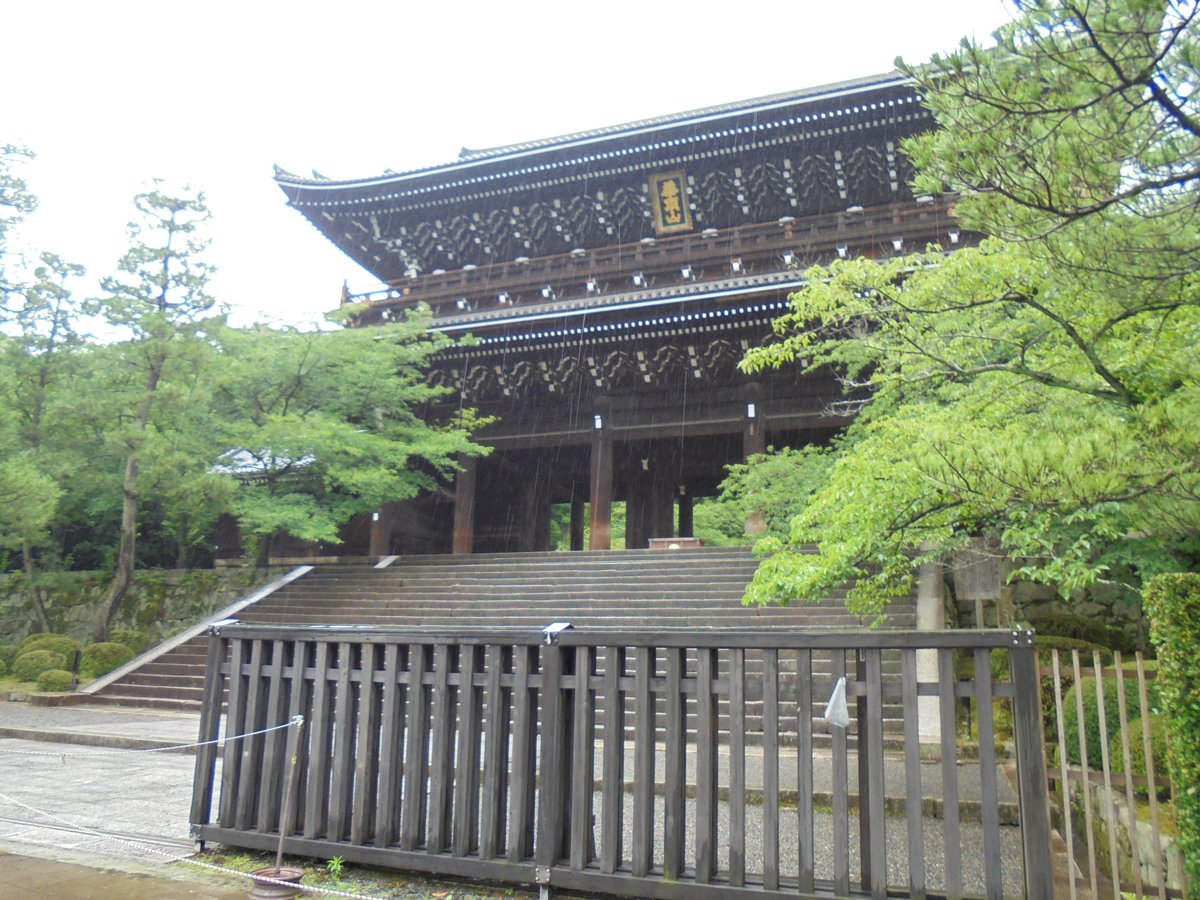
[(55, 681), (1082, 628), (1040, 388), (1097, 741), (327, 426), (36, 636), (28, 666), (3, 668), (135, 639), (8, 652), (67, 646), (102, 657), (772, 486), (1173, 605), (1137, 753)]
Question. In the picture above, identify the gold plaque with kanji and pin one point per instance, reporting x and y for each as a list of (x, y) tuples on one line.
[(668, 200)]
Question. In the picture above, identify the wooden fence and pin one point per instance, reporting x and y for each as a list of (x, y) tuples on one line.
[(1109, 793), (686, 763)]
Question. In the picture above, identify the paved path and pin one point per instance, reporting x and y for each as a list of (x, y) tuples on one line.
[(113, 806)]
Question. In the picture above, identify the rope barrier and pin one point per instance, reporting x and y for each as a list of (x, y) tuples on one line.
[(173, 748)]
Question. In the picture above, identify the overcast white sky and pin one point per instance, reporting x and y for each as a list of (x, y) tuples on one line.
[(111, 94)]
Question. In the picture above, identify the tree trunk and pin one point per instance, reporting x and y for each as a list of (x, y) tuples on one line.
[(123, 576), (264, 551), (35, 591)]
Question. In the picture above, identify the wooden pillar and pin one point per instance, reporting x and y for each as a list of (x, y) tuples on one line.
[(661, 521), (685, 513), (638, 509), (754, 432), (577, 528), (601, 492), (754, 440), (381, 531), (464, 505)]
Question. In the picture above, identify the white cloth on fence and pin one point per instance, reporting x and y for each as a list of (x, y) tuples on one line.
[(836, 711)]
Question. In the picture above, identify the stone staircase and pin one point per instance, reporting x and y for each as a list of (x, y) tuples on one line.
[(698, 588)]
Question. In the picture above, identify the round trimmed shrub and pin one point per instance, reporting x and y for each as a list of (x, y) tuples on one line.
[(100, 659), (67, 646), (1137, 754), (28, 666), (54, 681), (1091, 716), (8, 652), (3, 668), (132, 638), (36, 636)]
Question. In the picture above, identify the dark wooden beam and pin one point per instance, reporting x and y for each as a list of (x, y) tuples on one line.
[(601, 483), (464, 505)]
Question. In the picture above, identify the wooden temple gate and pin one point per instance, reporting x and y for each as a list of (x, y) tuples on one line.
[(617, 762)]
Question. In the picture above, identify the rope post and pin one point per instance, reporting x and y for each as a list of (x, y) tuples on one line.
[(295, 726)]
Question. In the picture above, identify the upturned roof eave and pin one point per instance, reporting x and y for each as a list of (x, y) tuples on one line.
[(521, 151)]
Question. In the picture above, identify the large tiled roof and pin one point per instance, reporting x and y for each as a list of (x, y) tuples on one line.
[(470, 158)]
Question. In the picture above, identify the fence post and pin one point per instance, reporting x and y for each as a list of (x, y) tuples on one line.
[(1031, 767), (552, 796)]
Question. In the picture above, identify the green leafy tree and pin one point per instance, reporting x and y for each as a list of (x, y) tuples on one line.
[(16, 201), (322, 426), (160, 299), (1041, 388)]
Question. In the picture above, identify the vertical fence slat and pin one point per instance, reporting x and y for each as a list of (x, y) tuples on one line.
[(675, 763), (706, 766), (315, 793), (951, 833), (1068, 826), (343, 744), (613, 795), (366, 750), (492, 806), (466, 772), (273, 743), (441, 759), (235, 723), (210, 729), (643, 762), (1151, 776), (840, 789), (520, 835), (583, 760), (873, 753), (300, 698), (989, 793), (250, 769), (1030, 742), (391, 741), (1130, 798), (804, 771), (411, 825), (1093, 873), (552, 792), (913, 791), (737, 767), (1110, 815), (770, 796)]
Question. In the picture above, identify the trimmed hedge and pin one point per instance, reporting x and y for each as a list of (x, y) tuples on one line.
[(1137, 754), (55, 681), (1091, 717), (8, 652), (36, 636), (132, 638), (1173, 605), (67, 646), (28, 666), (3, 668), (1082, 628), (100, 659)]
